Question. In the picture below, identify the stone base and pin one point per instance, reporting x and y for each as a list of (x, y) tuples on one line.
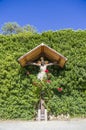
[(42, 116)]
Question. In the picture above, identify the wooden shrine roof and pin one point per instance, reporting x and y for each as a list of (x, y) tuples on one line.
[(42, 50)]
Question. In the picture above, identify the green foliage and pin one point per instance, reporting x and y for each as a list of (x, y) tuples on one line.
[(14, 28), (29, 28), (11, 28), (20, 93)]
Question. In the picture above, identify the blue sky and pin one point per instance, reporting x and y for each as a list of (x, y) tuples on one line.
[(45, 14)]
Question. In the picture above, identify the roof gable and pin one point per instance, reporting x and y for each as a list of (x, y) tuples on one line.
[(42, 50)]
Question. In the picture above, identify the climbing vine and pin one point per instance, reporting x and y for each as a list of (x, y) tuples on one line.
[(64, 90)]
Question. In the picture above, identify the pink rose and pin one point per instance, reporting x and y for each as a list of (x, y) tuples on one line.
[(48, 81), (59, 89), (46, 71)]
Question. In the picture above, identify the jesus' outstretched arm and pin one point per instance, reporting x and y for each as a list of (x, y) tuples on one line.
[(54, 63), (32, 63)]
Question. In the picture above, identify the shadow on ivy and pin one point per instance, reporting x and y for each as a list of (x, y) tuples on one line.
[(32, 69), (25, 71), (56, 70), (55, 91)]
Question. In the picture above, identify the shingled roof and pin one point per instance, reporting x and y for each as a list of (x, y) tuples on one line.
[(42, 50)]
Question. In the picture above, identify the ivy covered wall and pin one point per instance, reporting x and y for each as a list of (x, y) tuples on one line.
[(20, 91)]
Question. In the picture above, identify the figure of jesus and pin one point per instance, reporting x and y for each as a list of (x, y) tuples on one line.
[(43, 67)]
